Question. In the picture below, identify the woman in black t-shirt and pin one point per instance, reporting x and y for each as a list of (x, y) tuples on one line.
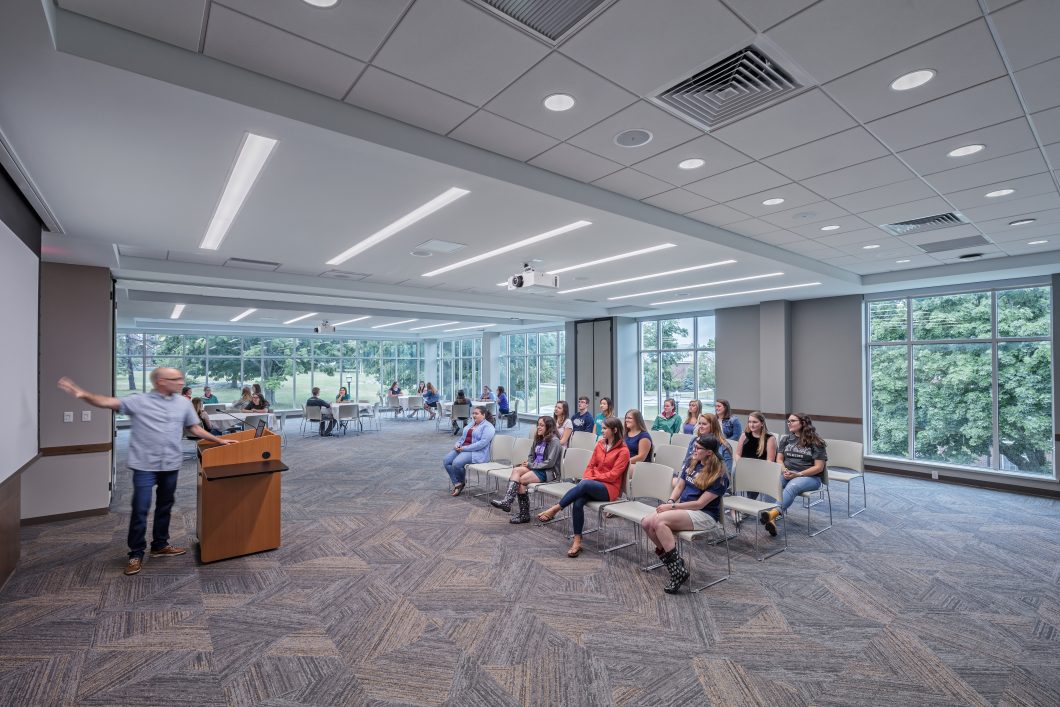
[(756, 442), (802, 457)]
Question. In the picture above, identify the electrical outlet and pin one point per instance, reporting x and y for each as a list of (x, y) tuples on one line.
[(86, 416), (68, 417)]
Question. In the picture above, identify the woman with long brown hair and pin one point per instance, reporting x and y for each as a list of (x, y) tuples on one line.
[(802, 457), (710, 425), (543, 460), (636, 437), (729, 424), (564, 426), (607, 410)]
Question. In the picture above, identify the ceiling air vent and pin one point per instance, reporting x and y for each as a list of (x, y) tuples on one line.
[(343, 275), (729, 89), (251, 264), (921, 225), (550, 20), (953, 244)]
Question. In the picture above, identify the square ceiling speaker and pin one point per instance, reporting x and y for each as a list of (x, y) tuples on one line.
[(550, 20)]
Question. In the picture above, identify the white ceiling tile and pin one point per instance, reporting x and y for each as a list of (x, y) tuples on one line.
[(595, 98), (856, 237), (131, 251), (993, 5), (1053, 151), (1021, 164), (751, 227), (802, 215), (847, 224), (718, 156), (831, 153), (1015, 208), (237, 39), (792, 194), (666, 131), (1023, 186), (953, 256), (1043, 219), (1023, 248), (353, 28), (502, 136), (977, 107), (1006, 234), (203, 258), (888, 195), (1028, 31), (1047, 123), (961, 58), (907, 212), (459, 50), (178, 23), (804, 118), (648, 46), (1002, 139), (763, 14), (748, 179), (867, 175), (632, 183), (575, 163), (837, 36), (719, 215), (780, 237), (679, 201), (1040, 85), (408, 102), (815, 250)]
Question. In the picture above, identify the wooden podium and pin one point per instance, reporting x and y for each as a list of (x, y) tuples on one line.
[(239, 496)]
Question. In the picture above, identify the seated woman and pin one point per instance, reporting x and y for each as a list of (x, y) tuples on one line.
[(545, 453), (430, 399), (802, 457), (564, 426), (244, 400), (472, 448), (343, 396), (602, 481), (421, 387), (394, 389), (699, 489), (487, 394), (636, 436), (607, 409), (709, 425), (204, 419), (459, 422), (695, 409), (756, 443), (729, 425), (257, 404), (667, 420)]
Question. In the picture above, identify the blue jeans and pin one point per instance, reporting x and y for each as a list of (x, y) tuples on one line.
[(586, 490), (454, 464), (793, 487), (143, 482)]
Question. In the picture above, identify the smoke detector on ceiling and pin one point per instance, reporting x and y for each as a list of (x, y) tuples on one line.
[(633, 138)]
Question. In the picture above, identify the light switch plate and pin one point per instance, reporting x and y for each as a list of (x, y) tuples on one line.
[(68, 417), (86, 416)]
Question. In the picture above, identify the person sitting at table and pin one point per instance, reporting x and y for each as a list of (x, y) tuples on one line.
[(607, 409), (421, 387), (208, 398), (695, 409), (204, 419), (325, 412), (543, 460), (564, 427), (256, 388), (667, 420), (430, 399), (343, 396), (503, 408), (487, 394), (460, 422), (472, 448), (395, 389), (244, 399), (257, 403), (186, 392)]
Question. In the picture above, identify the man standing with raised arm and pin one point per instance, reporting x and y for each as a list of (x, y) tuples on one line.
[(159, 418)]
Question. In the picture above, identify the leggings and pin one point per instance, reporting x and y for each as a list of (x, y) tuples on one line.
[(586, 490)]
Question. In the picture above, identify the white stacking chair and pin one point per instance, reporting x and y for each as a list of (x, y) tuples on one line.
[(651, 481), (520, 451), (689, 537), (415, 406), (392, 405), (214, 407), (680, 439), (369, 414), (750, 474), (583, 440), (345, 415), (808, 495), (846, 462), (670, 455), (311, 414), (574, 462), (443, 413), (281, 426), (659, 437), (500, 458)]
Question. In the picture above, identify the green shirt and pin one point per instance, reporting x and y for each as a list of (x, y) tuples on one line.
[(673, 425), (212, 400)]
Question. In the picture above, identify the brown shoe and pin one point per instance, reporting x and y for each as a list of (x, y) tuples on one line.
[(134, 566), (169, 551)]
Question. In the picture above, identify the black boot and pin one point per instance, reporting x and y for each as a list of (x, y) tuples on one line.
[(524, 510), (505, 504), (678, 573)]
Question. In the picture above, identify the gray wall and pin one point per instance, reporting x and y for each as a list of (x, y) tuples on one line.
[(738, 356)]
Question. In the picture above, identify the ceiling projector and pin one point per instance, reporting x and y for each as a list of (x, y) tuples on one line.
[(324, 328), (529, 279)]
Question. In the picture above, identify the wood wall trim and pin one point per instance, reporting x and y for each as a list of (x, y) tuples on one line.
[(76, 449), (10, 541), (815, 418)]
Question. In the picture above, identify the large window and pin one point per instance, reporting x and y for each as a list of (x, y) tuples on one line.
[(676, 361), (963, 379), (532, 370), (460, 367)]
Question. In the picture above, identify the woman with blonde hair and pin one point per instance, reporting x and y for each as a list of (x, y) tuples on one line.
[(244, 399), (204, 418), (710, 425), (695, 409)]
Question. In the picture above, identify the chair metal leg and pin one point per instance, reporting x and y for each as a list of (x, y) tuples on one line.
[(864, 499), (728, 558), (828, 493)]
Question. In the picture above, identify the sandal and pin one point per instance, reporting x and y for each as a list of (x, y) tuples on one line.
[(457, 489), (574, 551), (545, 516)]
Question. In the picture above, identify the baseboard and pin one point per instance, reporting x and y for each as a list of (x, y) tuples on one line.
[(959, 481), (65, 516)]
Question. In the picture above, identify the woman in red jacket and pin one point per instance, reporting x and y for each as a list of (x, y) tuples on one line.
[(602, 480)]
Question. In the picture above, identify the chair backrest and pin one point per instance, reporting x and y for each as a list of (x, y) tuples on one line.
[(659, 437), (844, 454), (583, 440), (670, 455), (346, 412), (750, 474), (392, 401), (575, 459), (461, 410), (520, 450), (253, 420), (415, 401), (680, 439), (651, 481), (312, 412), (214, 407), (501, 448)]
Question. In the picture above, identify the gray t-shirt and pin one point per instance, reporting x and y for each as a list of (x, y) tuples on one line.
[(798, 457), (158, 424)]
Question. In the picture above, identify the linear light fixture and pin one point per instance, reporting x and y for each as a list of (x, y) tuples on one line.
[(465, 328), (243, 315), (733, 294), (695, 287), (403, 321), (620, 256), (351, 321), (512, 246), (443, 199), (432, 326), (648, 277), (304, 316), (178, 309), (251, 160)]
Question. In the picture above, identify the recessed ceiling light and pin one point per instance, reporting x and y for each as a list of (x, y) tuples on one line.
[(693, 163), (999, 192), (965, 150), (432, 326), (912, 79), (178, 309), (465, 328), (772, 202), (697, 286), (1022, 221), (321, 3), (559, 102), (633, 138), (443, 199), (421, 253), (648, 277), (243, 315), (903, 260), (1037, 242), (831, 227), (870, 247), (304, 316), (733, 294), (351, 321), (620, 256), (512, 246), (251, 160), (403, 321)]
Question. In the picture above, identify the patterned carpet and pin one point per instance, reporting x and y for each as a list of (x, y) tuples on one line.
[(386, 591)]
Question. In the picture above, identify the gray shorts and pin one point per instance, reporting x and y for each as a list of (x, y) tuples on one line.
[(701, 520)]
